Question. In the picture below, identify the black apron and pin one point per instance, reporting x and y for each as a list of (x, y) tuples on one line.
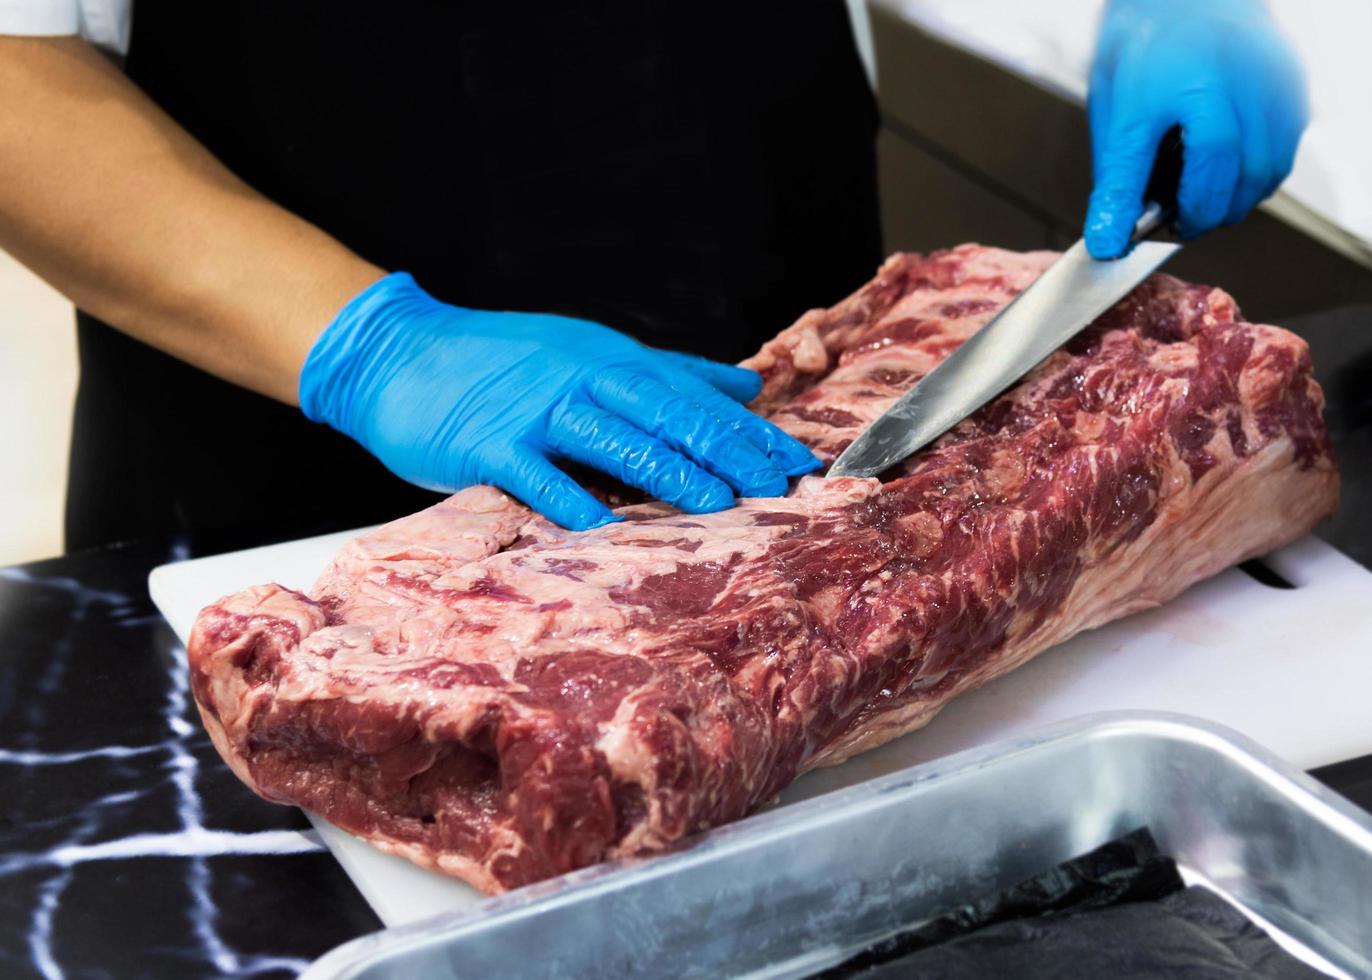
[(695, 174)]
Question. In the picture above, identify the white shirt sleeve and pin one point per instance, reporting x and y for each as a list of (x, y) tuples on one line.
[(105, 23)]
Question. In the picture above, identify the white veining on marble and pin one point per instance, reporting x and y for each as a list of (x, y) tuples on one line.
[(227, 961), (68, 585), (83, 599), (62, 820), (40, 931), (50, 892), (192, 841), (203, 911), (196, 842), (23, 757)]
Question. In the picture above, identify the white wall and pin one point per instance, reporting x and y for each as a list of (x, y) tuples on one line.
[(37, 385)]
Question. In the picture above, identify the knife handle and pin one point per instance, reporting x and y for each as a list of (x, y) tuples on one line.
[(1161, 193)]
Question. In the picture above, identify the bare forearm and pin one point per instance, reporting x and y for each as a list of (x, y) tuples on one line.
[(119, 208)]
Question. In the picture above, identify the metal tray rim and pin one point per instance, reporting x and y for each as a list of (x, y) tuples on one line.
[(1315, 799)]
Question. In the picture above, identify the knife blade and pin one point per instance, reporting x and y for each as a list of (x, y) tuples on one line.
[(1055, 308)]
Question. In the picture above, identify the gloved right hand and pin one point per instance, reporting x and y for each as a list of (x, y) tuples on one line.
[(1219, 69), (447, 397)]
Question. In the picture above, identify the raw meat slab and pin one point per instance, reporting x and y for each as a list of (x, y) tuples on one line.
[(486, 694), (1230, 650)]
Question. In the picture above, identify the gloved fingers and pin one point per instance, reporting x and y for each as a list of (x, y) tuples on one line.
[(1270, 144), (1211, 151), (1283, 104), (590, 435), (1285, 129), (740, 384), (1124, 162), (1100, 105), (1282, 154), (1255, 184), (1283, 157), (554, 494), (1225, 74), (786, 452), (1257, 168), (685, 425)]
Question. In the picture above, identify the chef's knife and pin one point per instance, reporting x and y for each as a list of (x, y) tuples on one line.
[(1059, 304)]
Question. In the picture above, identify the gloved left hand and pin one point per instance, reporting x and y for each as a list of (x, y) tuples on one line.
[(447, 396), (1221, 71)]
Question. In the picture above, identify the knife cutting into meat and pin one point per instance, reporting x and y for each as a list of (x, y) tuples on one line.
[(1060, 304)]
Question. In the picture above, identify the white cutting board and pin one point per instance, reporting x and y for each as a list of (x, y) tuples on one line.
[(1291, 668)]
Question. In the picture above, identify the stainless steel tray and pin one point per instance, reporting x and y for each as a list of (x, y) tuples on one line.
[(795, 889)]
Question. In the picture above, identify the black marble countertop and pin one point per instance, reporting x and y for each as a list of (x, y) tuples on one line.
[(128, 849)]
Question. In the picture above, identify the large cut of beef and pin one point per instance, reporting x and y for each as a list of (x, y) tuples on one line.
[(489, 695)]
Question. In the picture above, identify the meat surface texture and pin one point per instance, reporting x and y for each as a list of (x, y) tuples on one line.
[(489, 695)]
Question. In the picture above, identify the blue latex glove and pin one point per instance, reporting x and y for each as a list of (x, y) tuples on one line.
[(447, 397), (1220, 70)]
